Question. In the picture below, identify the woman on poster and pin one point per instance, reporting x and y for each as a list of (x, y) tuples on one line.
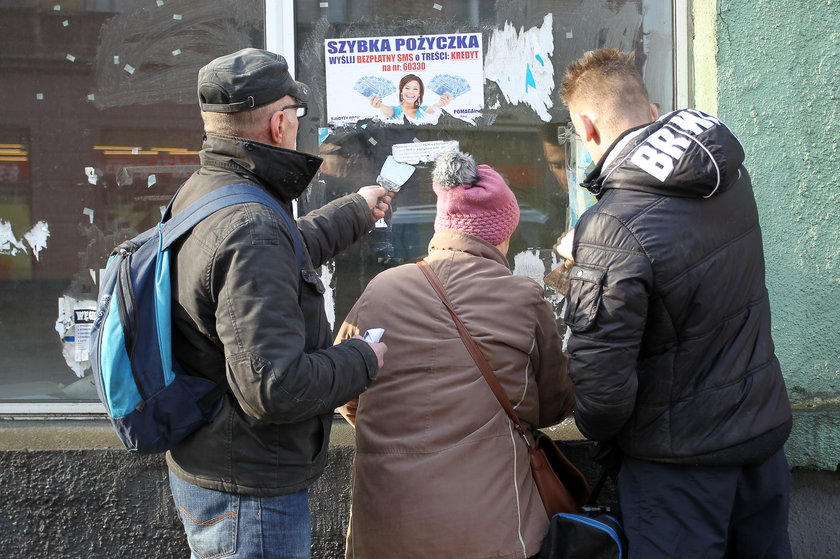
[(411, 91)]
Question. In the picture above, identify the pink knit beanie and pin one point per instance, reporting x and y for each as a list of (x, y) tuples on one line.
[(473, 199)]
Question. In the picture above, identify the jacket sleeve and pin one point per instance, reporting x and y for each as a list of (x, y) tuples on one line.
[(555, 389), (335, 226), (349, 329), (254, 282), (606, 309)]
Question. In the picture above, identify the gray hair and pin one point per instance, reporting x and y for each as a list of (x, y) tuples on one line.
[(243, 123), (454, 168)]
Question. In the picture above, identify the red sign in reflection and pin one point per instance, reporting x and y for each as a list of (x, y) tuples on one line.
[(14, 172)]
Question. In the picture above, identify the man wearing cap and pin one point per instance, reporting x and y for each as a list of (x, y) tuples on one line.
[(248, 319)]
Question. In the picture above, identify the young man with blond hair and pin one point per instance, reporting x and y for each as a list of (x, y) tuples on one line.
[(671, 353)]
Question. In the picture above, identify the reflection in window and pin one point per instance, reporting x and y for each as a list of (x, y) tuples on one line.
[(14, 203), (99, 127)]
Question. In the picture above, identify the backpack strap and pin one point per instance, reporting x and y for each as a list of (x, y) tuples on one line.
[(176, 226), (185, 220), (474, 351)]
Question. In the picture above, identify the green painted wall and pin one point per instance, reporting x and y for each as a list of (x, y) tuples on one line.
[(776, 85)]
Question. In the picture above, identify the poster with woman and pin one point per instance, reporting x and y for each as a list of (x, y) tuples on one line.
[(404, 79)]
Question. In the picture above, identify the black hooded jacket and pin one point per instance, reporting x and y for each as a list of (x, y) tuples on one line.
[(244, 317), (671, 349)]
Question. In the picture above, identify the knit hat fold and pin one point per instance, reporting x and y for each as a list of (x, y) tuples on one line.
[(473, 199)]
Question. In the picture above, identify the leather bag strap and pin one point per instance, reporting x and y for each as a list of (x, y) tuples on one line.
[(474, 350)]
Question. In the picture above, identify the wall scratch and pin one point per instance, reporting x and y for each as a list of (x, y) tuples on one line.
[(136, 62)]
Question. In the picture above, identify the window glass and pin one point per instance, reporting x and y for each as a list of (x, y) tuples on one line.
[(99, 125), (354, 55)]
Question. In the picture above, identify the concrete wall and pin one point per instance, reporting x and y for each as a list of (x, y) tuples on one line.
[(101, 502), (775, 83), (104, 503)]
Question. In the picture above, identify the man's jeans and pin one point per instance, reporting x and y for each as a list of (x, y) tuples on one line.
[(220, 524)]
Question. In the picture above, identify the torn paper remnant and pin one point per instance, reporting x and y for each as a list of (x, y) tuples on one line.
[(37, 237), (520, 62), (73, 324), (9, 244), (92, 175)]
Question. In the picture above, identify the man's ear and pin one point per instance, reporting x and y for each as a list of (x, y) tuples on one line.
[(590, 132), (654, 112), (277, 127)]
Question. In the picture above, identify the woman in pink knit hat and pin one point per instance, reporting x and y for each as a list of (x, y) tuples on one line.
[(439, 470)]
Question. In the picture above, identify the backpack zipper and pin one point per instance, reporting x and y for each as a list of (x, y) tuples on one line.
[(126, 300), (597, 525)]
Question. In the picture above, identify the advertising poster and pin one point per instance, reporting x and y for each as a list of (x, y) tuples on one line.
[(408, 79)]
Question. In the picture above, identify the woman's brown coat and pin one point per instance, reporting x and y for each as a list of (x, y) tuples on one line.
[(439, 470)]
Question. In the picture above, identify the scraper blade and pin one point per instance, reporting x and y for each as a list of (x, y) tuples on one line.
[(394, 174)]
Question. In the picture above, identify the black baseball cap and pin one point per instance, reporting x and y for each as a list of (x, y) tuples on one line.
[(244, 80)]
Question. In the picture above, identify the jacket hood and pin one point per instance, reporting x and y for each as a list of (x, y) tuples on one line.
[(283, 172), (686, 153)]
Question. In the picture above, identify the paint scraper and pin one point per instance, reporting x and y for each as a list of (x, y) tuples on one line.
[(394, 174)]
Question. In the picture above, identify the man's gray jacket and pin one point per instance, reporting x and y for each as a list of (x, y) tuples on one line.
[(245, 318), (671, 349)]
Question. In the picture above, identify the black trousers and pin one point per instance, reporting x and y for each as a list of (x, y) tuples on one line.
[(671, 510)]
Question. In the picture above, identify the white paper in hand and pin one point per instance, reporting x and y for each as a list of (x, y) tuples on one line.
[(374, 335)]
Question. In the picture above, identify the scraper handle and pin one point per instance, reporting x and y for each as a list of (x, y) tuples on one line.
[(388, 184)]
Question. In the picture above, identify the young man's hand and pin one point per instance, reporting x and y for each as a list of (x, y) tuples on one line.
[(564, 248)]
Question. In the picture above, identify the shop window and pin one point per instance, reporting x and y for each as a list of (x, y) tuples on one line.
[(501, 63), (99, 125)]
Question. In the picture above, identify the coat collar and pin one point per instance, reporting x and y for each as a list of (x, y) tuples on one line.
[(446, 239), (685, 153), (283, 172)]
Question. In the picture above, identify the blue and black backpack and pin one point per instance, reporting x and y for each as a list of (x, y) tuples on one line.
[(592, 533), (151, 401)]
